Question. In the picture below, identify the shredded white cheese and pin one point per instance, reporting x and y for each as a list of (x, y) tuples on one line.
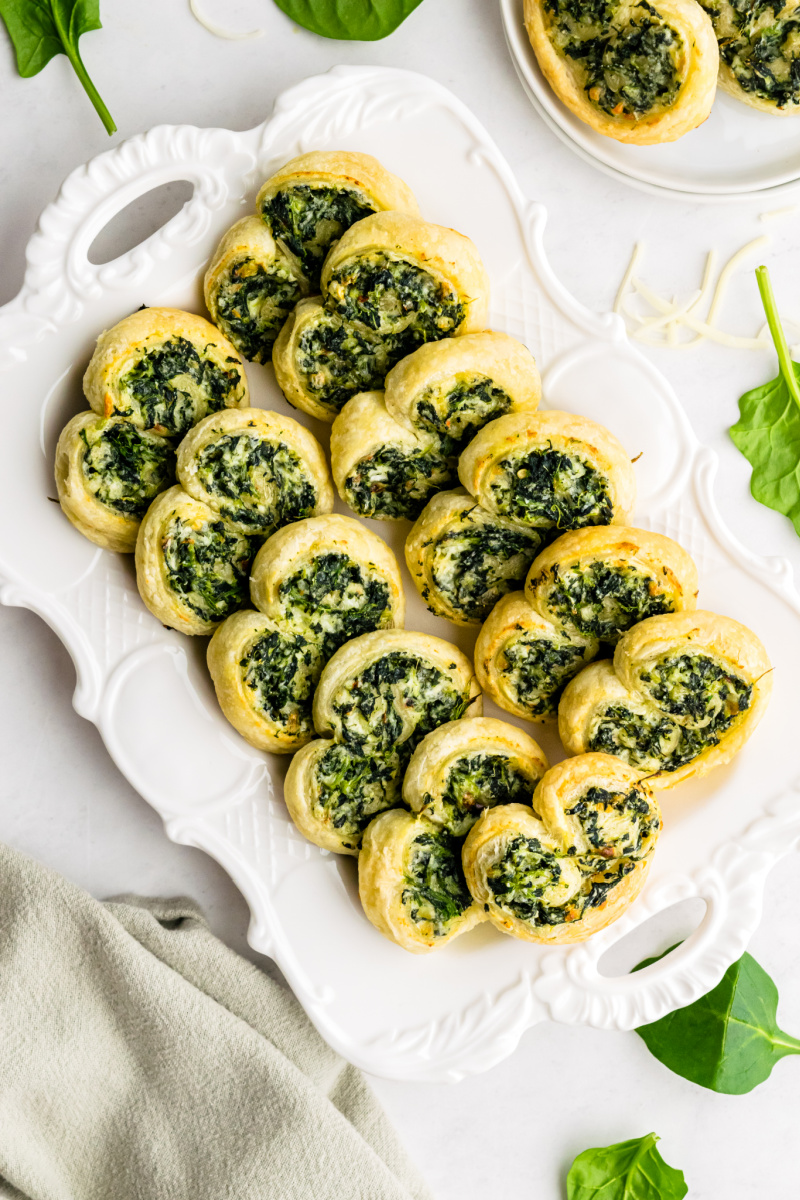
[(778, 212), (230, 34)]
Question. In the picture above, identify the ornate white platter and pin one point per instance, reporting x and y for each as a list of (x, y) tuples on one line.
[(146, 687), (737, 153)]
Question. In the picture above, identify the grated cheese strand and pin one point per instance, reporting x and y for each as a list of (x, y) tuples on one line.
[(730, 266), (230, 35), (638, 251)]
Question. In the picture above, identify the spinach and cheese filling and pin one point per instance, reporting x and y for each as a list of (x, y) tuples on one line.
[(395, 483), (549, 489), (648, 739), (455, 414), (614, 825), (473, 564), (125, 467), (696, 690), (257, 483), (537, 669), (759, 41), (535, 883), (435, 891), (337, 359), (393, 702), (397, 299), (599, 599), (281, 672), (350, 788), (473, 783), (306, 219), (335, 599), (626, 57), (207, 567), (171, 387), (252, 301)]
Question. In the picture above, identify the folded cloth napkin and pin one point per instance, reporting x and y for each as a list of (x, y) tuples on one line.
[(141, 1059)]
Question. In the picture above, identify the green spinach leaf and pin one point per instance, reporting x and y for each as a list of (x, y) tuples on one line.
[(631, 1170), (349, 20), (728, 1040), (768, 429), (41, 29)]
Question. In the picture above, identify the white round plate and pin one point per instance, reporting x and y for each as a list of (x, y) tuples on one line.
[(147, 688), (736, 154)]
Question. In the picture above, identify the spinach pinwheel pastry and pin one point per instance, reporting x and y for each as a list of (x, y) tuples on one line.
[(550, 471), (321, 360), (464, 559), (407, 280), (380, 468), (452, 388), (376, 700), (639, 72), (312, 200), (570, 865), (317, 583), (411, 882), (251, 288), (107, 473), (682, 696), (257, 469), (759, 50), (164, 370), (465, 767), (192, 567), (589, 586)]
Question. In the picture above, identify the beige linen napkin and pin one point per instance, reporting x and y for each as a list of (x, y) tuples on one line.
[(141, 1059)]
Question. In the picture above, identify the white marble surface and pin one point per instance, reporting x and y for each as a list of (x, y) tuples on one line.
[(515, 1129)]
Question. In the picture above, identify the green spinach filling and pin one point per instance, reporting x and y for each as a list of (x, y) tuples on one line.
[(207, 568), (476, 563), (125, 467), (626, 58), (475, 782), (253, 302), (338, 360), (308, 218), (335, 600), (351, 788), (281, 672), (435, 892), (522, 877), (537, 669), (259, 484), (397, 483), (615, 825), (697, 688), (456, 416), (601, 600), (397, 299), (172, 387), (552, 490), (760, 41)]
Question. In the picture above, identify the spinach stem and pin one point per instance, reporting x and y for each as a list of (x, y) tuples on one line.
[(74, 57), (778, 336)]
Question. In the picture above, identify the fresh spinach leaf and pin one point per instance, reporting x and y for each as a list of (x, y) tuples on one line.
[(631, 1170), (728, 1040), (768, 429), (349, 20), (41, 29)]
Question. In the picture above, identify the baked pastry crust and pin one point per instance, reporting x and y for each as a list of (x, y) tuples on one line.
[(287, 472), (467, 766), (111, 522), (696, 62), (175, 519), (380, 468), (398, 850), (463, 559), (177, 401), (582, 441), (249, 266), (724, 705), (594, 826)]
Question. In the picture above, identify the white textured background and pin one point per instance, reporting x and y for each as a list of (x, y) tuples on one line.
[(515, 1130)]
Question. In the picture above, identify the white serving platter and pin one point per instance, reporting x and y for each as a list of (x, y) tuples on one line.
[(146, 688), (738, 153)]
